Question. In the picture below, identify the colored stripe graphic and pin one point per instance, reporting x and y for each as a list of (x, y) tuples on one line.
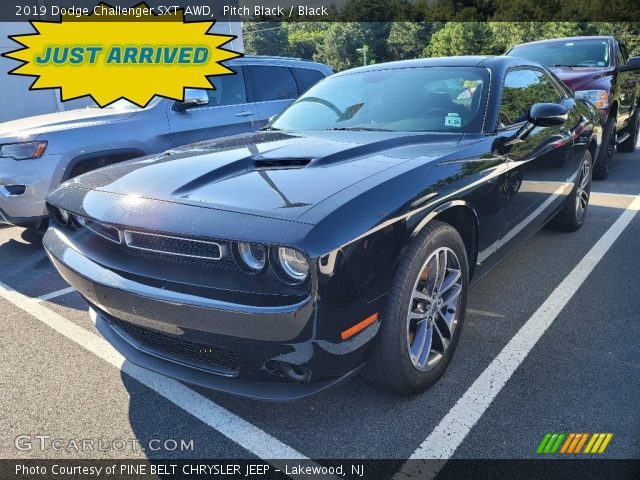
[(543, 443), (582, 442), (573, 443), (605, 443), (567, 442)]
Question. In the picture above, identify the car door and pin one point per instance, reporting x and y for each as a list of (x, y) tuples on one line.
[(274, 88), (227, 113), (538, 164)]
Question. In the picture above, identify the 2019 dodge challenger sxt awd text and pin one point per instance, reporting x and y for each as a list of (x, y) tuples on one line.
[(344, 235)]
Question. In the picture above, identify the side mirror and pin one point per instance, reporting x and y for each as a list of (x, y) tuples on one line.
[(192, 98), (548, 114), (540, 115), (632, 64)]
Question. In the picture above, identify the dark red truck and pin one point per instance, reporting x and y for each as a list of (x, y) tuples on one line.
[(600, 70)]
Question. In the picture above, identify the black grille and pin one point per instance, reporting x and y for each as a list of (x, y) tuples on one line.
[(214, 358), (173, 245)]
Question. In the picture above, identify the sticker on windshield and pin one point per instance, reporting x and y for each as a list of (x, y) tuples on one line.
[(453, 120)]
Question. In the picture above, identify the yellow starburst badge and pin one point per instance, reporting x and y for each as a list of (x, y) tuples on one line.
[(109, 55)]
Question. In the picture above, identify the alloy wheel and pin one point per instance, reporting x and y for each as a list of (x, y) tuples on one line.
[(583, 190), (434, 310)]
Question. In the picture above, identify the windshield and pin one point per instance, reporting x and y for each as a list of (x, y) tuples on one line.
[(432, 99), (574, 53)]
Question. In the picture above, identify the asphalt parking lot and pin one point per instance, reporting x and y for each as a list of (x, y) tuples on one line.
[(550, 344)]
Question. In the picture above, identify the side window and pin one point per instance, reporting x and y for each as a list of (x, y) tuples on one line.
[(523, 88), (274, 83), (306, 78), (230, 89)]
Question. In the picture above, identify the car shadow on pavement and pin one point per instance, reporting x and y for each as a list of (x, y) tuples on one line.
[(163, 429)]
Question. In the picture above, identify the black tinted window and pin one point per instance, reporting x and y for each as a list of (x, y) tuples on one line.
[(523, 88), (430, 99), (307, 78), (274, 83), (230, 89), (572, 53)]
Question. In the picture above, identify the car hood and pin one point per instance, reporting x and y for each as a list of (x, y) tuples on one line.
[(32, 127), (581, 78), (268, 173)]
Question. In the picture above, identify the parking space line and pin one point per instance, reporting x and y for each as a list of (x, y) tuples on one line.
[(55, 294), (235, 428), (447, 436), (621, 195)]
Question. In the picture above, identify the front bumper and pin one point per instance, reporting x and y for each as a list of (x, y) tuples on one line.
[(24, 186), (269, 391), (259, 337)]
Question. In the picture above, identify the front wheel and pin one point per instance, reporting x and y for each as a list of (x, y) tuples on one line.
[(572, 214), (424, 314)]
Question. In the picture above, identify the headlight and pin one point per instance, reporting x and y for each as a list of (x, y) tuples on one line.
[(293, 264), (600, 98), (252, 257), (23, 151)]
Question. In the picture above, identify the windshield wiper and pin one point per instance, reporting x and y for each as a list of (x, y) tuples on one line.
[(269, 129), (362, 129)]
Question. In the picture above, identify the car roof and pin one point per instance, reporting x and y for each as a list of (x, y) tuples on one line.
[(275, 60), (492, 62), (566, 39)]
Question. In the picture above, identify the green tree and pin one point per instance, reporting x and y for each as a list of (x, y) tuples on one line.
[(409, 39), (304, 37), (538, 10), (265, 38), (628, 32), (376, 10), (343, 39), (461, 38)]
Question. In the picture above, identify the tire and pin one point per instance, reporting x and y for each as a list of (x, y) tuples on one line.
[(629, 145), (409, 315), (605, 156), (574, 211)]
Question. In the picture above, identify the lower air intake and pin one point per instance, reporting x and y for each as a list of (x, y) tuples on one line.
[(213, 358)]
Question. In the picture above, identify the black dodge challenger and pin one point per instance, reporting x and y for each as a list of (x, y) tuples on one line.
[(342, 237)]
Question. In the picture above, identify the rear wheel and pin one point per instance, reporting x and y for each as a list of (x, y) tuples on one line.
[(422, 321), (608, 147), (629, 145), (571, 217)]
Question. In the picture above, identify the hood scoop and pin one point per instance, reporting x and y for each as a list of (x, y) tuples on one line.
[(278, 163)]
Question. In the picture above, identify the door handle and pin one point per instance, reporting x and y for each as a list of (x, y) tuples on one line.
[(244, 114)]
